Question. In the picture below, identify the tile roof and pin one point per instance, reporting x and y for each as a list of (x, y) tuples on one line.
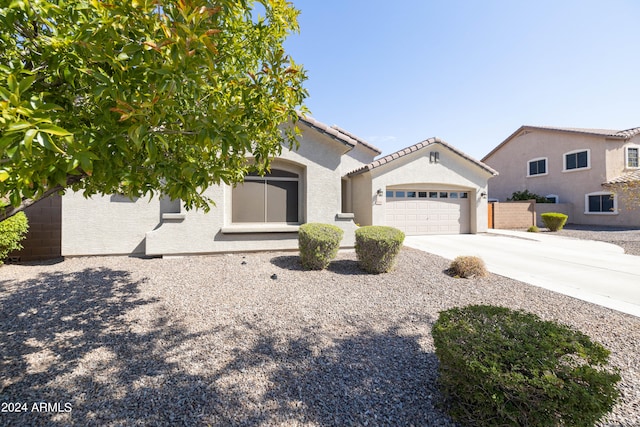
[(626, 178), (426, 143), (627, 133), (337, 133), (607, 133)]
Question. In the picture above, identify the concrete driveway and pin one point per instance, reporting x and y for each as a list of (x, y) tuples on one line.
[(592, 271)]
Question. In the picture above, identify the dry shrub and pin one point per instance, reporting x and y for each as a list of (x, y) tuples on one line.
[(468, 267)]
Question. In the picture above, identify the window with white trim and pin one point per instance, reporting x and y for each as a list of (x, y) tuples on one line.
[(552, 198), (537, 167), (269, 198), (631, 157), (601, 203), (576, 160)]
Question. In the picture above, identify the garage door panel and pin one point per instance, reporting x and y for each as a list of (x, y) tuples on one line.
[(441, 213)]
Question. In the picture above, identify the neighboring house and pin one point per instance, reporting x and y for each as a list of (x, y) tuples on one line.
[(574, 167), (331, 178)]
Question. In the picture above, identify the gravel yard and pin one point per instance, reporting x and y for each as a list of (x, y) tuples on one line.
[(628, 239), (215, 340)]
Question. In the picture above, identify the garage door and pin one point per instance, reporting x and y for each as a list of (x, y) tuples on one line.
[(428, 212)]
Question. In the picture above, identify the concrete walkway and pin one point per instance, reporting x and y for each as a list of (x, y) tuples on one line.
[(592, 271)]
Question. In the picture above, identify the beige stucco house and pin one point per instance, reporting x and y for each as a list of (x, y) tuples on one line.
[(332, 178), (573, 167)]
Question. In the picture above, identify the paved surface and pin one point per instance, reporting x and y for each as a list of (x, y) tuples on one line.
[(592, 271)]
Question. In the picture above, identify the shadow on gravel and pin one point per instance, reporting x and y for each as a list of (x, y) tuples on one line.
[(71, 341), (287, 262), (340, 266)]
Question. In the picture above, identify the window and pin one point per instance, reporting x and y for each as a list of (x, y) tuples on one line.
[(576, 160), (400, 194), (389, 193), (537, 167), (632, 157), (269, 198), (464, 195), (444, 194), (601, 203), (411, 194), (552, 198), (433, 194), (453, 195), (422, 194)]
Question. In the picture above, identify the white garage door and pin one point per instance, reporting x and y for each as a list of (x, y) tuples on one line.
[(428, 212)]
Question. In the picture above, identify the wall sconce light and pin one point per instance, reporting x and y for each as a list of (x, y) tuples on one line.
[(483, 195), (380, 192)]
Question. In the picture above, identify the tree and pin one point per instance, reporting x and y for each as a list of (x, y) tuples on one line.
[(142, 97)]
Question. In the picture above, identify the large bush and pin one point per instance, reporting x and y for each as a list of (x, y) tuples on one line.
[(12, 231), (554, 221), (500, 367), (318, 244), (377, 247)]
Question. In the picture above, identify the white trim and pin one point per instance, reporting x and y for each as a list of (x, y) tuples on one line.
[(553, 195), (626, 156), (601, 193), (564, 160), (537, 159)]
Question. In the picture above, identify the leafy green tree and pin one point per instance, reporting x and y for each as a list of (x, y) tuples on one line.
[(142, 97)]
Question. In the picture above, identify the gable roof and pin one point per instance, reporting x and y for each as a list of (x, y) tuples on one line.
[(339, 134), (607, 133), (412, 149)]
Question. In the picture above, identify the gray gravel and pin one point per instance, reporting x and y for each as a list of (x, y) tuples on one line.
[(217, 341), (628, 239)]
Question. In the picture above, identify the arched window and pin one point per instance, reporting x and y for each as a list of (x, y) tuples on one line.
[(269, 198)]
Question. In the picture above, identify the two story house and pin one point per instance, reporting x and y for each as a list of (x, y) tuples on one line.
[(580, 168)]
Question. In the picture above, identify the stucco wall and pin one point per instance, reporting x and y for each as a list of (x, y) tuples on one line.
[(606, 162), (106, 225)]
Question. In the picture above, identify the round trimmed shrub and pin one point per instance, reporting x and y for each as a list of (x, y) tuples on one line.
[(554, 221), (468, 267), (377, 247), (12, 231), (318, 244), (533, 229), (500, 367)]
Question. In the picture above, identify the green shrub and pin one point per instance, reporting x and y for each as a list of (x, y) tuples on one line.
[(554, 221), (468, 267), (533, 229), (527, 195), (510, 368), (377, 247), (318, 244), (12, 231)]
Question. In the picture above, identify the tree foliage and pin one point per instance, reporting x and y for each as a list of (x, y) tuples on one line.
[(142, 97)]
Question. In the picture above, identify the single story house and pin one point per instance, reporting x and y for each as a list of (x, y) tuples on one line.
[(333, 177), (578, 169)]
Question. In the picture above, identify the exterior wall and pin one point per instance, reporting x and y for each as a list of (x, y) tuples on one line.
[(319, 161), (106, 224), (415, 170), (362, 197), (512, 215), (43, 238), (606, 162)]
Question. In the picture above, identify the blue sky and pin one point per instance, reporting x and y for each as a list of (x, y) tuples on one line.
[(469, 72)]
